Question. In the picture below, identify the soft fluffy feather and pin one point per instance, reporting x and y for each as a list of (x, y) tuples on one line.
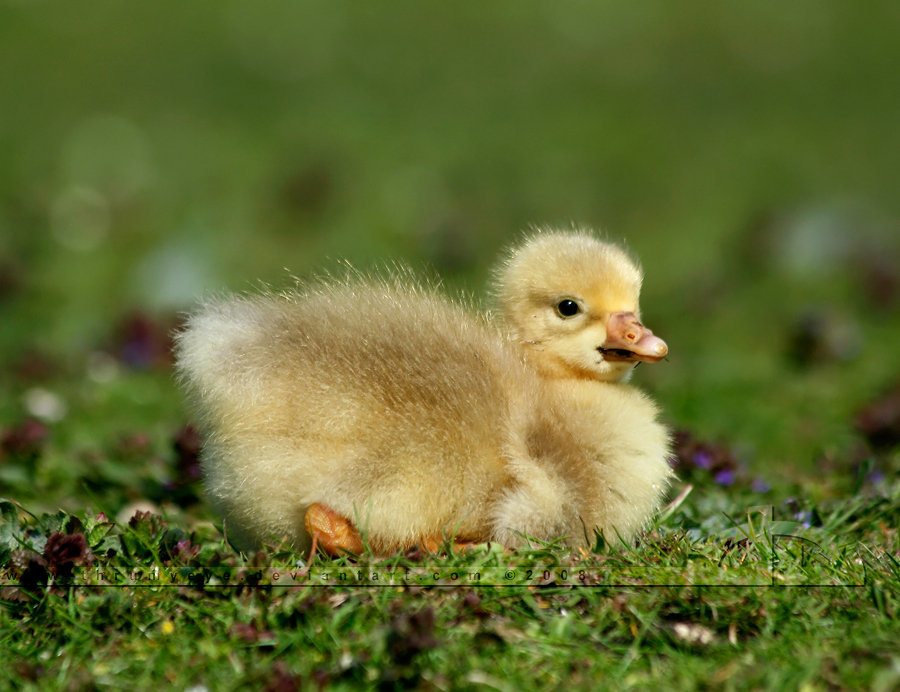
[(412, 416)]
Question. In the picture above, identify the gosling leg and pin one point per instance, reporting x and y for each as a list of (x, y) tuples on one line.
[(333, 533), (432, 544)]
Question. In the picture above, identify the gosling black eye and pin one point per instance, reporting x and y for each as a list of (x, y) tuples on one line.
[(568, 308)]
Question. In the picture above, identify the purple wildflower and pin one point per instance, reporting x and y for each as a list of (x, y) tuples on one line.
[(760, 486), (724, 477), (703, 459), (805, 519), (876, 476)]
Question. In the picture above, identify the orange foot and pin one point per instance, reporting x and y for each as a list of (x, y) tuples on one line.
[(335, 535), (332, 532), (433, 544)]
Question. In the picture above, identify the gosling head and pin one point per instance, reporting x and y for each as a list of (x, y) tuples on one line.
[(572, 303)]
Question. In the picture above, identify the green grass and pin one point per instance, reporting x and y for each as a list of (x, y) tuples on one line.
[(150, 153), (759, 605)]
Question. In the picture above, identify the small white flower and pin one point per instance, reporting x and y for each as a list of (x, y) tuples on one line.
[(694, 634), (44, 404)]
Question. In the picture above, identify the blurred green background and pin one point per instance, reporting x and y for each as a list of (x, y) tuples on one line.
[(747, 152)]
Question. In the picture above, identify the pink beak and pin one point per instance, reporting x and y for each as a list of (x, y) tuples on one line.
[(628, 340)]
